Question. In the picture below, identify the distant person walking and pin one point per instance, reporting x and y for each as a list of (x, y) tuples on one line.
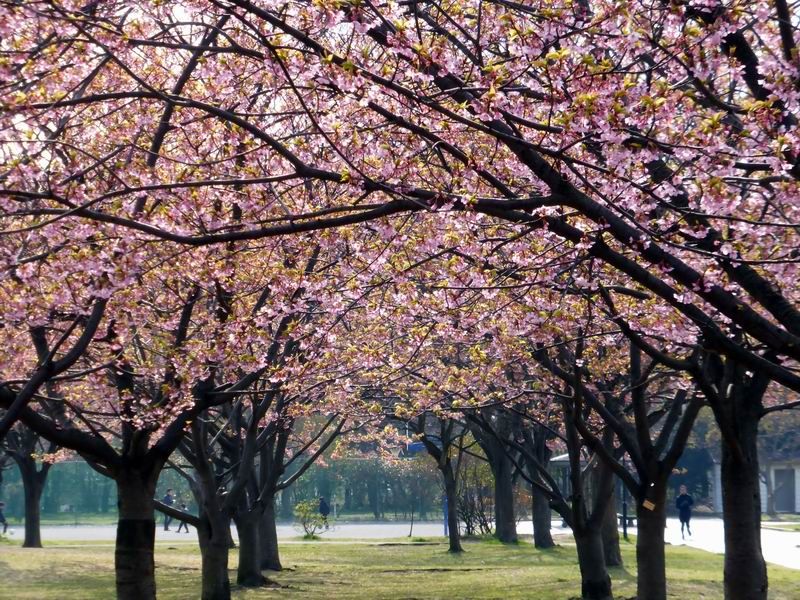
[(169, 500), (3, 517), (324, 510), (183, 523), (684, 505)]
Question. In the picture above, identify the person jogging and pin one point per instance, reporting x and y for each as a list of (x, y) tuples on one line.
[(684, 505)]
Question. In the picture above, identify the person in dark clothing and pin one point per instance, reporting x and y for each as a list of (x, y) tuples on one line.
[(169, 500), (684, 505), (183, 523), (3, 517), (324, 510)]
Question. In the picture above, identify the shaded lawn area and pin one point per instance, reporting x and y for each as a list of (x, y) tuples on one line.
[(390, 569)]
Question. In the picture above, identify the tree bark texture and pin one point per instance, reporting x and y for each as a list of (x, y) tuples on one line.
[(216, 584), (453, 532), (610, 533), (268, 538), (249, 572), (505, 524), (651, 582), (745, 569), (133, 556), (33, 481), (542, 520), (595, 581)]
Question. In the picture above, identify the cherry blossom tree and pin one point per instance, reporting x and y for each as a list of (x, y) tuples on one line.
[(656, 138), (174, 344), (34, 457)]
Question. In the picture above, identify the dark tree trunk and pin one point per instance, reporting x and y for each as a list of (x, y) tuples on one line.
[(32, 485), (136, 531), (268, 537), (745, 569), (214, 550), (542, 519), (610, 533), (542, 514), (504, 522), (736, 397), (452, 513), (651, 582), (249, 572), (33, 532), (595, 581)]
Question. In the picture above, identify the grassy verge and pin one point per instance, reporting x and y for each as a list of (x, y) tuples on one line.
[(782, 526), (791, 517), (383, 570)]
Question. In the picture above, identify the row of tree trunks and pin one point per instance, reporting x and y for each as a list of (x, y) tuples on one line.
[(745, 569)]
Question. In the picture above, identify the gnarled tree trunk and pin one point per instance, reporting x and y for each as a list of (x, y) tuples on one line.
[(745, 569), (595, 581), (216, 584), (249, 572), (651, 580), (736, 395), (136, 531), (268, 538)]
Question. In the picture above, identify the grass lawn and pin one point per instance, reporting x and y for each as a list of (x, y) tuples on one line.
[(781, 517), (782, 526), (387, 569)]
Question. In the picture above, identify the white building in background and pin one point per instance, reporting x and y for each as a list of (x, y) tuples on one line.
[(785, 478)]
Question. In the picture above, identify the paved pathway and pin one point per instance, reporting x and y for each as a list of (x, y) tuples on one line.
[(779, 547)]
